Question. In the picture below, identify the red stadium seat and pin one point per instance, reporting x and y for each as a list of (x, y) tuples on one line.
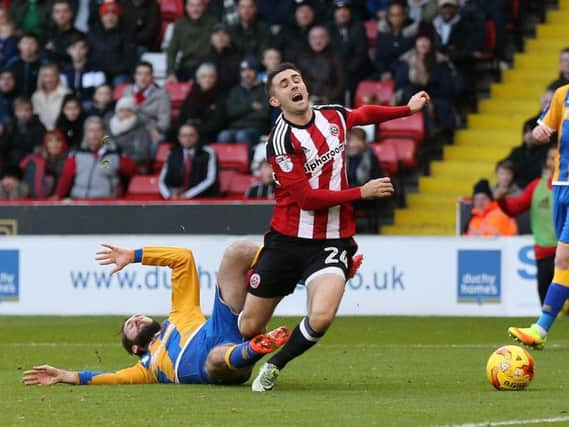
[(170, 10), (387, 157), (406, 150), (144, 187), (371, 33), (382, 90), (405, 127), (161, 156), (490, 36), (225, 178), (178, 92), (119, 90), (232, 156), (239, 184)]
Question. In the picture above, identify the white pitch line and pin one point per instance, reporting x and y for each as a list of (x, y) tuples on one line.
[(550, 420)]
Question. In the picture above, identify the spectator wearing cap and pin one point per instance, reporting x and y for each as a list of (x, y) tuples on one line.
[(225, 56), (528, 157), (111, 48), (191, 170), (250, 35), (130, 135), (41, 170), (204, 106), (26, 65), (422, 10), (292, 40), (378, 8), (423, 68), (349, 35), (143, 20), (11, 185), (395, 36), (247, 108), (31, 15), (462, 40), (61, 33), (81, 76), (487, 219), (93, 19), (7, 96), (322, 68), (152, 101), (48, 97), (96, 171), (190, 41)]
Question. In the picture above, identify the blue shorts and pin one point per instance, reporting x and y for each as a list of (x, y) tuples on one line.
[(221, 328), (561, 212)]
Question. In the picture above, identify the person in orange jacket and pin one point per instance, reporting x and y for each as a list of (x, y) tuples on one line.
[(487, 218)]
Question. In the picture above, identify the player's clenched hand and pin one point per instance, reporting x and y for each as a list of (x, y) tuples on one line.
[(112, 254), (418, 101), (542, 133), (377, 188), (43, 375)]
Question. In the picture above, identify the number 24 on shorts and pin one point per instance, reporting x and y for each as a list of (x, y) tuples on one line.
[(332, 258)]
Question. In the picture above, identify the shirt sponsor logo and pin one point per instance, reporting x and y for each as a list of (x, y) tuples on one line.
[(320, 161), (479, 276), (285, 163)]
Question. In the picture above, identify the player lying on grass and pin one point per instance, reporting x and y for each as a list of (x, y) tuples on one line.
[(186, 348)]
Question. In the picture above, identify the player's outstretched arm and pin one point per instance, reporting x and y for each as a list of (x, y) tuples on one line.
[(48, 375), (116, 255)]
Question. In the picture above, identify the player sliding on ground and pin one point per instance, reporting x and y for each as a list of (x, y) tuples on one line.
[(555, 119), (311, 236), (186, 348)]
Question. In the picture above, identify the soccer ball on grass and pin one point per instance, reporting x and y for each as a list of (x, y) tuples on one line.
[(510, 368)]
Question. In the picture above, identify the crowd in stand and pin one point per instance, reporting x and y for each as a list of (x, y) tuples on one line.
[(62, 133)]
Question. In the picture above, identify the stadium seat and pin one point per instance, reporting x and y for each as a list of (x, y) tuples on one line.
[(225, 178), (232, 156), (239, 184), (406, 150), (161, 156), (387, 157), (119, 90), (143, 187), (170, 10), (410, 127), (178, 92), (382, 90), (371, 32)]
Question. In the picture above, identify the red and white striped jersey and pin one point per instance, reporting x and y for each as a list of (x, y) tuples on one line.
[(313, 198)]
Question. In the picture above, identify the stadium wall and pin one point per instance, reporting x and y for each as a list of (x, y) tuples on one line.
[(58, 275)]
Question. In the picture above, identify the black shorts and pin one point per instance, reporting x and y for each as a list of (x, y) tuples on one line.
[(286, 261)]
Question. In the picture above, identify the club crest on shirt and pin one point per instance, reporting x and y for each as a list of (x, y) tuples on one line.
[(285, 163), (334, 130), (255, 281)]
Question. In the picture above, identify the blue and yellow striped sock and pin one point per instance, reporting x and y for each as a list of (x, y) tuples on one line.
[(556, 296), (241, 355)]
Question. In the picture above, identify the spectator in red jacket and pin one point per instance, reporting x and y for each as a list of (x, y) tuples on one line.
[(95, 172), (538, 199), (42, 170)]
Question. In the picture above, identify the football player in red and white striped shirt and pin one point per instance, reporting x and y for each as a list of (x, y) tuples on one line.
[(311, 236)]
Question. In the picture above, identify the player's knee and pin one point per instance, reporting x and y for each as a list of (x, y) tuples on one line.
[(242, 250), (561, 261), (216, 360), (249, 325), (321, 320)]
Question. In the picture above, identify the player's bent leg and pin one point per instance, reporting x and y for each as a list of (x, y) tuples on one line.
[(220, 373), (233, 269), (257, 312), (324, 296)]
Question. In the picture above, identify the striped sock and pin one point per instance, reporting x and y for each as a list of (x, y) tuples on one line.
[(241, 355), (302, 338)]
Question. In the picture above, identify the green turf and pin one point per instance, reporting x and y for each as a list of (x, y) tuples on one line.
[(366, 371)]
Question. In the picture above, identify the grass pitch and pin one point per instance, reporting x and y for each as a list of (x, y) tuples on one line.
[(383, 371)]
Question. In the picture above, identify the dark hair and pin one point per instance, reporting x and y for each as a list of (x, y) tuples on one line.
[(13, 171), (29, 35), (76, 38), (143, 339), (67, 2), (358, 133), (144, 64), (505, 164), (278, 69), (564, 50)]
